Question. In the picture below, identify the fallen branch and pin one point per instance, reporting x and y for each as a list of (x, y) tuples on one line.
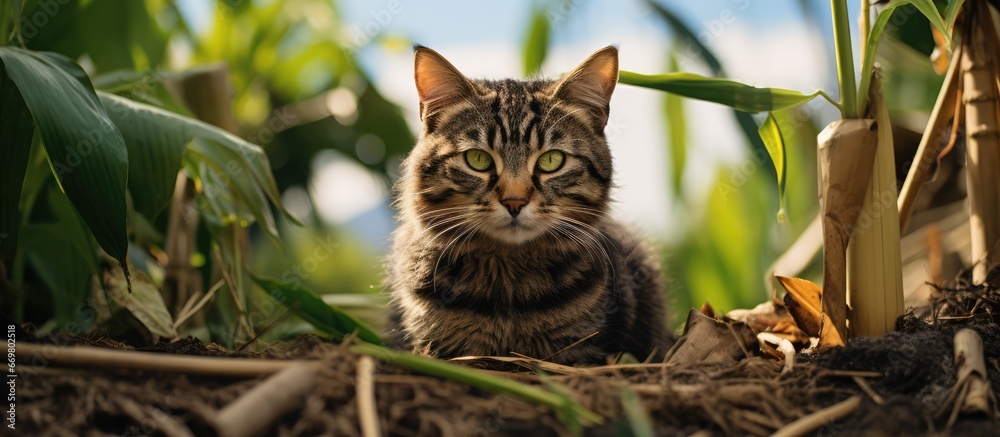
[(89, 356), (258, 409), (367, 409)]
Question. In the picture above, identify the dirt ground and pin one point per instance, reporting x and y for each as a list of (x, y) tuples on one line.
[(914, 366)]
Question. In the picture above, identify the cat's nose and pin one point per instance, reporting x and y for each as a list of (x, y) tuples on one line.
[(514, 204)]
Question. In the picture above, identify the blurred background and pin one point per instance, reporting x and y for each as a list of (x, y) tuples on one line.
[(326, 88)]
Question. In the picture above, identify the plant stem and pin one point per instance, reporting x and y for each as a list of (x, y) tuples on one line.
[(845, 60), (866, 26)]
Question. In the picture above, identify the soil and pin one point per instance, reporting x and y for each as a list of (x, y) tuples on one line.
[(913, 367)]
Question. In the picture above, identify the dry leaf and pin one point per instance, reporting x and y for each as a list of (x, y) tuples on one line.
[(804, 303)]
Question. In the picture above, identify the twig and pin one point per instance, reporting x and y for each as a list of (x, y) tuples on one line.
[(571, 345), (367, 411), (815, 420), (868, 390), (972, 392), (89, 356), (258, 409), (187, 311)]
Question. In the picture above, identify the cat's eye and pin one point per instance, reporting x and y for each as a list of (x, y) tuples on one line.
[(551, 161), (478, 159)]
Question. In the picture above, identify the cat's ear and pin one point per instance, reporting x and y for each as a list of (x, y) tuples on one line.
[(439, 83), (592, 83)]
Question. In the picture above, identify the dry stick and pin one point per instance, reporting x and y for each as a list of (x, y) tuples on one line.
[(822, 417), (944, 110), (868, 390), (367, 410), (190, 311), (89, 356), (982, 129), (972, 392), (258, 409)]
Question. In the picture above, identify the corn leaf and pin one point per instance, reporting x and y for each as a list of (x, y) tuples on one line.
[(677, 125), (475, 378), (159, 139), (15, 146), (536, 44), (310, 307), (925, 7), (726, 92), (85, 149), (62, 254), (775, 144)]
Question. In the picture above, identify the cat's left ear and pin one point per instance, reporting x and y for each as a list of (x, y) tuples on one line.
[(592, 83), (439, 84)]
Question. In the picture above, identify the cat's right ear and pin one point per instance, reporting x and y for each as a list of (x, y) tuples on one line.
[(439, 84)]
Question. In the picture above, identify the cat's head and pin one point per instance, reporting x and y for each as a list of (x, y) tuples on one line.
[(510, 160)]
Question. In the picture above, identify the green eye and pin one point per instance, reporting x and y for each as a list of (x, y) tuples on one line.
[(478, 159), (551, 161)]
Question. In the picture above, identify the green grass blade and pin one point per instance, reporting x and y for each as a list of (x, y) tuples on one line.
[(536, 44), (85, 149), (310, 307), (677, 126), (15, 147), (775, 144), (465, 375), (925, 7), (726, 92)]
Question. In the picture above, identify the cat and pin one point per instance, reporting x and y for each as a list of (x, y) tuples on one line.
[(504, 243)]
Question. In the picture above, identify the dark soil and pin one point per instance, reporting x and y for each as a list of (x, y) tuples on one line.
[(750, 397)]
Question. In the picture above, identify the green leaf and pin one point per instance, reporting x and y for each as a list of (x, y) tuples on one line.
[(160, 138), (677, 125), (227, 175), (726, 92), (144, 302), (476, 378), (925, 7), (310, 307), (775, 144), (638, 418), (951, 13), (84, 148), (15, 146), (120, 35), (536, 44), (62, 255)]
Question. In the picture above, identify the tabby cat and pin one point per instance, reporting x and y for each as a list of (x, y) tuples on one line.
[(504, 243)]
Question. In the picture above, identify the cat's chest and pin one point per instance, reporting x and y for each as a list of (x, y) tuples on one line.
[(513, 284)]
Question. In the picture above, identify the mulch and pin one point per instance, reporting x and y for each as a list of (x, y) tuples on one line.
[(904, 377)]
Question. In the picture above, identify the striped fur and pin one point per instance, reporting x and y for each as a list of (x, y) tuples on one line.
[(471, 278)]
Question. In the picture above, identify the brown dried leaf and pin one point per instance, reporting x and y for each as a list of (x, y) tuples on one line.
[(804, 303)]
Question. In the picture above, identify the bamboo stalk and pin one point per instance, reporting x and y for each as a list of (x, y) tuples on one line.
[(845, 59), (982, 127), (944, 110), (874, 275)]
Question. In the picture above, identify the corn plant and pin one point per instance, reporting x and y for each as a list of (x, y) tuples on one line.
[(861, 259)]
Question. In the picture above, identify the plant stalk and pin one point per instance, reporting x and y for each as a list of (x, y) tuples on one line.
[(982, 129), (845, 60)]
